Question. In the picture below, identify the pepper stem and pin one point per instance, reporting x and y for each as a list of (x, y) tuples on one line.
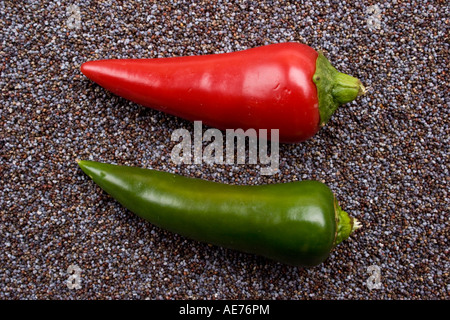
[(346, 225), (346, 88), (334, 88)]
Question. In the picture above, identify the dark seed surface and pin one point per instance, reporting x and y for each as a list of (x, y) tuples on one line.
[(385, 155)]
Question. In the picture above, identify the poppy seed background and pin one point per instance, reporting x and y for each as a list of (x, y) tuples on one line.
[(384, 155)]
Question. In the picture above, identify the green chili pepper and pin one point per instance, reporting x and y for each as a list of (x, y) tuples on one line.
[(297, 223)]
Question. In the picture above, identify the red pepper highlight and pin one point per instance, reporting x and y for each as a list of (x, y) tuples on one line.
[(285, 86)]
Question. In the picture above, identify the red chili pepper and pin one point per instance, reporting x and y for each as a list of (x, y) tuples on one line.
[(285, 86)]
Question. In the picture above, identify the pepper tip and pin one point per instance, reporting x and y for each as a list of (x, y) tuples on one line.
[(362, 90), (83, 68), (87, 68), (356, 224)]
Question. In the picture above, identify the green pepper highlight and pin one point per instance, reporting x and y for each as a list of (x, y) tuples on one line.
[(296, 223)]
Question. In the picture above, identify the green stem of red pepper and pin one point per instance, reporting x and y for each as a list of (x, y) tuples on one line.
[(334, 88)]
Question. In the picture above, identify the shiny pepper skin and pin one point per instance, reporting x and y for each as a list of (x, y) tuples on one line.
[(297, 223), (286, 86)]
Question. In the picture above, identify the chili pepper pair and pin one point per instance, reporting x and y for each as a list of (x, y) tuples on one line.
[(286, 86)]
